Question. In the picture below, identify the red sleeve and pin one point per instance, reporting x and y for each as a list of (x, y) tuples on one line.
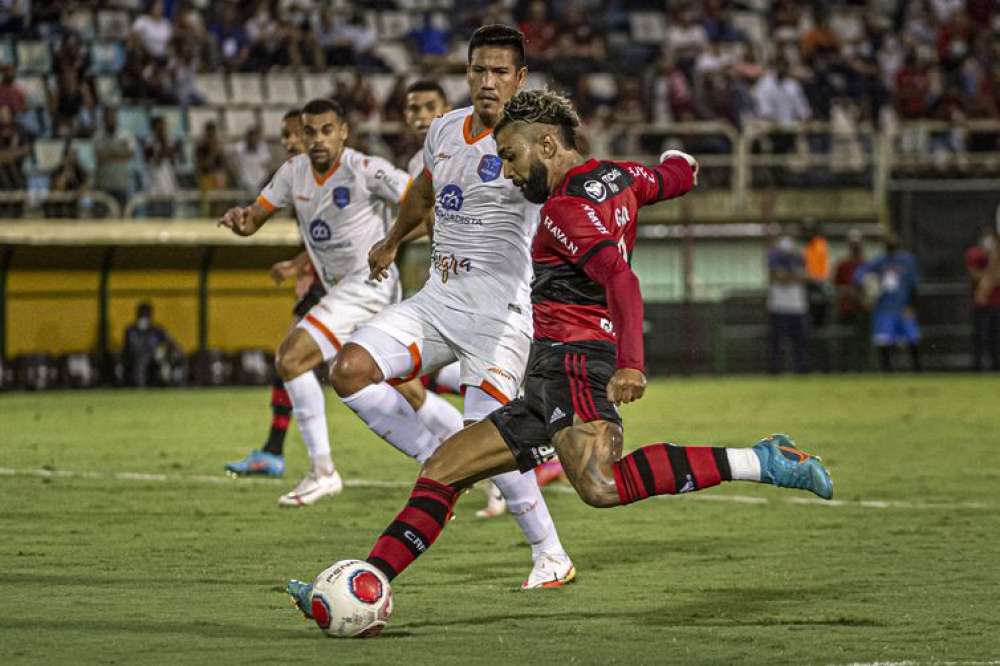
[(573, 229), (975, 258), (607, 267), (667, 180)]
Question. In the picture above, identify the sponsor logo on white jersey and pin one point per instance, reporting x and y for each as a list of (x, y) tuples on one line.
[(451, 197)]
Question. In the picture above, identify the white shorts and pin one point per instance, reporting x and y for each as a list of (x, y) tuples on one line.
[(420, 335), (348, 304)]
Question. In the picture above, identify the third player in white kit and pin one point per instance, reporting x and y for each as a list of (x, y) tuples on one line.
[(475, 307)]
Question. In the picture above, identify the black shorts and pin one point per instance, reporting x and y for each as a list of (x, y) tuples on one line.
[(565, 380), (315, 294)]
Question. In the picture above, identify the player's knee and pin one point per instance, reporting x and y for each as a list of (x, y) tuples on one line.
[(353, 369)]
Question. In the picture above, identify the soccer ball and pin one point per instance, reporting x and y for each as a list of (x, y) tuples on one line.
[(351, 599)]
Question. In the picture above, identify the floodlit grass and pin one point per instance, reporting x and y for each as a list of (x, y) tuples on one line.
[(99, 568)]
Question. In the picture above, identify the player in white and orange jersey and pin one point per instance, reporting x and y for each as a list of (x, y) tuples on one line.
[(475, 307), (338, 195)]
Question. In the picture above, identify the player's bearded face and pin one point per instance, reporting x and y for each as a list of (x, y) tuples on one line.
[(536, 187), (324, 136)]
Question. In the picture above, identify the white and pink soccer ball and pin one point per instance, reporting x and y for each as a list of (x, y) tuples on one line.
[(351, 599)]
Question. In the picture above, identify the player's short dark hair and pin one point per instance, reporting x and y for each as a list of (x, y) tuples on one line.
[(292, 113), (426, 85), (545, 107), (317, 106), (498, 34)]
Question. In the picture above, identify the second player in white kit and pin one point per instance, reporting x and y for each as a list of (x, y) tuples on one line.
[(475, 307)]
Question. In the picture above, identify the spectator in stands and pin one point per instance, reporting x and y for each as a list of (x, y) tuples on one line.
[(913, 88), (68, 178), (273, 42), (539, 34), (982, 262), (147, 350), (212, 168), (14, 148), (780, 100), (361, 40), (12, 97), (851, 311), (72, 105), (142, 78), (686, 39), (190, 34), (430, 43), (183, 68), (356, 95), (14, 16), (114, 151), (787, 305), (153, 31), (71, 55), (232, 41), (890, 283), (162, 154), (253, 161)]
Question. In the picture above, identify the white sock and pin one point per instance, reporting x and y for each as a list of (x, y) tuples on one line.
[(440, 416), (392, 418), (309, 410), (744, 464), (450, 377), (526, 504)]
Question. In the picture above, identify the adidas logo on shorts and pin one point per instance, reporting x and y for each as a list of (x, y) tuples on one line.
[(556, 415)]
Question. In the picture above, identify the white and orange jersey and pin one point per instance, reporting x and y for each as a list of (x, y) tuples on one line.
[(416, 164), (483, 226), (341, 213)]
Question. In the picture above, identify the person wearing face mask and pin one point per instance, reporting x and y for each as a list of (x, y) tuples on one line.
[(787, 305), (982, 262), (893, 278), (147, 350)]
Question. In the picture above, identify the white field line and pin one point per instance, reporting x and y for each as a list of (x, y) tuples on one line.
[(928, 663), (558, 488)]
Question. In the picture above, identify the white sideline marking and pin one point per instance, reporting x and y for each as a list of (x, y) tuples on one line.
[(557, 488), (929, 663)]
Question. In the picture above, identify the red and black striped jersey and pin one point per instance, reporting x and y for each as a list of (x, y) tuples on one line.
[(595, 207)]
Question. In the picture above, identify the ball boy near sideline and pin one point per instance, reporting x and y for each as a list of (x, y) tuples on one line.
[(588, 353)]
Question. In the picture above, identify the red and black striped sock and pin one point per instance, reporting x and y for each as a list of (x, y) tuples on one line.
[(281, 416), (666, 469), (415, 528)]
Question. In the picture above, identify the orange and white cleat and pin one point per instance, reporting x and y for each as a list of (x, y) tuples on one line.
[(550, 571)]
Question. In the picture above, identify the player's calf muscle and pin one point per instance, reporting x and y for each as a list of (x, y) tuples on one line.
[(353, 369), (297, 354), (587, 452)]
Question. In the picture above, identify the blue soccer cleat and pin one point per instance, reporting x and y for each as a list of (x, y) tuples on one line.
[(258, 463), (300, 594), (785, 466)]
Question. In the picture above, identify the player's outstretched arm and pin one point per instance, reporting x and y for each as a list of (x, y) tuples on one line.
[(412, 212), (292, 268), (245, 220)]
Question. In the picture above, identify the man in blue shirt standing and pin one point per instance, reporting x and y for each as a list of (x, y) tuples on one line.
[(892, 280)]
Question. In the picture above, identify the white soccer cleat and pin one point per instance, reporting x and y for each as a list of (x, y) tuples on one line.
[(496, 505), (550, 571), (311, 488)]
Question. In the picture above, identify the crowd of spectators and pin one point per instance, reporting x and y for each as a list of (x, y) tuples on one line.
[(628, 63)]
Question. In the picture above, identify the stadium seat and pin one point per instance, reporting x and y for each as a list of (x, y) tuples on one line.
[(395, 55), (48, 153), (315, 86), (456, 87), (213, 89), (82, 22), (603, 86), (238, 121), (6, 51), (394, 25), (112, 24), (107, 57), (247, 89), (283, 90), (33, 57), (134, 120), (382, 85), (174, 118), (270, 120), (34, 90), (648, 27), (85, 154), (198, 116), (108, 91)]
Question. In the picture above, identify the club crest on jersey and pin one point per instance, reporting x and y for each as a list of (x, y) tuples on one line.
[(595, 190), (341, 196), (319, 231), (451, 197), (489, 167)]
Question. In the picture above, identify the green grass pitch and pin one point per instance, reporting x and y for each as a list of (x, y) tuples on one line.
[(183, 566)]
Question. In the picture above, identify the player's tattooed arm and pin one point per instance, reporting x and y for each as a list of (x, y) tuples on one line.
[(245, 220), (413, 209)]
